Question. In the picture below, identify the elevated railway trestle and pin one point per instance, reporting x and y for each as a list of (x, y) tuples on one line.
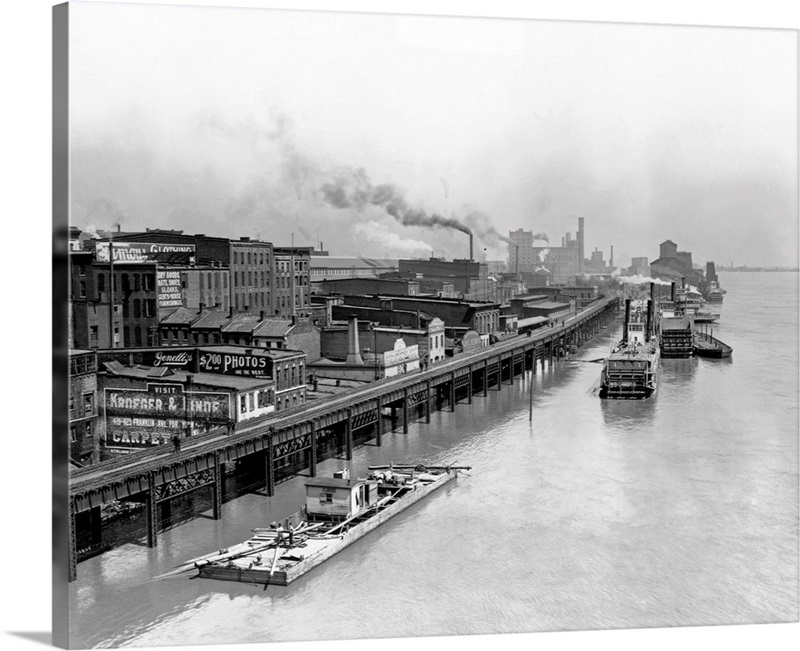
[(291, 441)]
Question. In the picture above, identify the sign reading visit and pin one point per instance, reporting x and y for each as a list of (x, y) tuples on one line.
[(141, 418)]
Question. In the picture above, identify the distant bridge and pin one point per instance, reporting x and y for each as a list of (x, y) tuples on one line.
[(290, 438)]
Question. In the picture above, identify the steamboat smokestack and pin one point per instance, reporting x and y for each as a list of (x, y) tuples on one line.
[(649, 319), (627, 319), (672, 292), (470, 247)]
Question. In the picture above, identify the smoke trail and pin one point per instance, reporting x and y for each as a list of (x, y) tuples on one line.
[(639, 280), (375, 232), (541, 236), (353, 189), (543, 254)]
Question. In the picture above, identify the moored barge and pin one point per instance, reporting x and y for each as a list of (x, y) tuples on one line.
[(337, 512)]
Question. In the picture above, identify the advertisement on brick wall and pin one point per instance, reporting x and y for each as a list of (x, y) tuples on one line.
[(139, 252), (141, 418), (168, 286), (251, 363)]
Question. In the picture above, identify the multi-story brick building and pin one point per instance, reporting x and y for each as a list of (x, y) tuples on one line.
[(85, 428), (292, 285)]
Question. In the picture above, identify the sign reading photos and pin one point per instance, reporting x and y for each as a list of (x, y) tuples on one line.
[(251, 363), (142, 418)]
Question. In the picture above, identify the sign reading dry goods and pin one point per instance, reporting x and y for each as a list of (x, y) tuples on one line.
[(245, 363), (138, 252), (141, 418), (169, 288)]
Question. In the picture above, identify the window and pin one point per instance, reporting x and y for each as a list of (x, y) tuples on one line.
[(71, 402), (88, 404), (92, 335), (149, 307), (82, 289), (73, 434), (101, 283), (88, 429), (148, 283), (243, 403), (137, 336)]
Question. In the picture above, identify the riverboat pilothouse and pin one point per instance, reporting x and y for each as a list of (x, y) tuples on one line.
[(631, 370)]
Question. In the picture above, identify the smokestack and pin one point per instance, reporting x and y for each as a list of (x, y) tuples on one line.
[(517, 265), (649, 319), (627, 319), (611, 262), (353, 352), (470, 247), (683, 283), (580, 244), (672, 292)]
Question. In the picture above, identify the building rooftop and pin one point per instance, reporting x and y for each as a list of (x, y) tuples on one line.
[(212, 319), (238, 382), (273, 328), (242, 323), (181, 316)]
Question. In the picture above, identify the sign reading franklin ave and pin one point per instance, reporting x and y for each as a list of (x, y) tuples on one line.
[(140, 418)]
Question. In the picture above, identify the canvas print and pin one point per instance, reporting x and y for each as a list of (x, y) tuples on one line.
[(386, 326)]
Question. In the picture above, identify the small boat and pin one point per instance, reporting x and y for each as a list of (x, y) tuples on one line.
[(337, 512), (706, 345), (706, 317), (715, 292)]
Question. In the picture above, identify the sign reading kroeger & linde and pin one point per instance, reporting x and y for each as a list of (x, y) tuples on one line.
[(250, 363), (141, 418)]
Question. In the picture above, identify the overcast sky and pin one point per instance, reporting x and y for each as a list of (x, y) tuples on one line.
[(240, 122)]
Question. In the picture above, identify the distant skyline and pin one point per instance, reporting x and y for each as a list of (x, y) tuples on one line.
[(231, 122)]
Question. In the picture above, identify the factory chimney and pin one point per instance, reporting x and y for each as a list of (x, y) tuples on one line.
[(353, 352), (611, 262), (672, 292), (580, 245), (470, 247), (627, 320)]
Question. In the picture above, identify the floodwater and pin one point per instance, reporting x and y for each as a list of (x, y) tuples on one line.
[(675, 511)]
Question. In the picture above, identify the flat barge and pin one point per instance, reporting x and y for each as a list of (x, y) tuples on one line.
[(337, 512), (706, 345)]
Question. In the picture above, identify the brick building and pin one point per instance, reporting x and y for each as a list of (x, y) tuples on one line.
[(85, 428)]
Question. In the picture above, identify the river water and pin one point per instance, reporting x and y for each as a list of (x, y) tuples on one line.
[(675, 511)]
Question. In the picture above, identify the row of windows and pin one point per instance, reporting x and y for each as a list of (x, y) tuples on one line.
[(141, 308), (88, 404), (209, 276), (248, 401), (250, 257), (284, 402), (79, 364)]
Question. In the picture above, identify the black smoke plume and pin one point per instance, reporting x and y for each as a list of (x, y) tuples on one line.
[(353, 189)]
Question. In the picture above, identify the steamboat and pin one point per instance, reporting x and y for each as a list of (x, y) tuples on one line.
[(631, 370)]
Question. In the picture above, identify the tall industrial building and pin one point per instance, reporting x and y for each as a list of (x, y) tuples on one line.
[(562, 263)]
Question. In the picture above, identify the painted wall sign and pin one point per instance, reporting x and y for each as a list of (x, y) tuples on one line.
[(252, 364), (138, 252), (169, 290), (141, 418)]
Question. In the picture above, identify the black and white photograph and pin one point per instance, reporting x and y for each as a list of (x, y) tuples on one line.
[(420, 326)]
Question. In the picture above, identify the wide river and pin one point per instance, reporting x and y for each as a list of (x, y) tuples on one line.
[(679, 510)]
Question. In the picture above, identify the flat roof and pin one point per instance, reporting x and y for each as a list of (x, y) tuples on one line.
[(330, 482)]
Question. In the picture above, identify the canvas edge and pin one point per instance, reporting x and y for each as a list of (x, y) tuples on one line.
[(60, 324)]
